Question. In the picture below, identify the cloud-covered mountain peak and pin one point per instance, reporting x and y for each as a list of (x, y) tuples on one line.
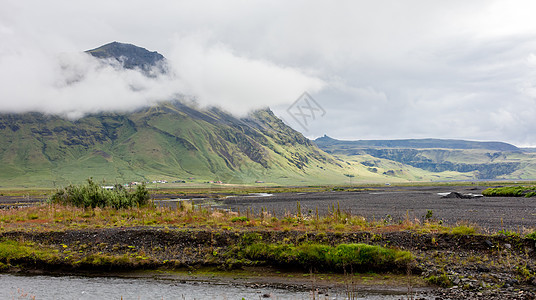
[(131, 56)]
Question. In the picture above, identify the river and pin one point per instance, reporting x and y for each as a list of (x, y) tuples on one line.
[(78, 287)]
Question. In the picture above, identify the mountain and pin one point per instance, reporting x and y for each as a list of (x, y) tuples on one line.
[(480, 160), (177, 140), (169, 141), (326, 142), (131, 57)]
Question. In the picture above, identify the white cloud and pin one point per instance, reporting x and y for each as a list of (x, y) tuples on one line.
[(74, 84), (217, 76), (381, 69)]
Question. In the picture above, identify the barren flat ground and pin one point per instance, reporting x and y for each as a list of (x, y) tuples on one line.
[(489, 213), (377, 203)]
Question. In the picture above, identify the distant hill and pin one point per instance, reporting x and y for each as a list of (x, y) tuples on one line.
[(325, 142), (484, 160)]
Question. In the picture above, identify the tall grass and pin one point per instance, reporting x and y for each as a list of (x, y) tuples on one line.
[(92, 195)]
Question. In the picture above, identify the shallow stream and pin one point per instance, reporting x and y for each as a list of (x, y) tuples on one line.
[(76, 287)]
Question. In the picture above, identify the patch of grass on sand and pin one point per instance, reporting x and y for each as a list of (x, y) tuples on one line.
[(347, 257), (14, 251), (464, 229), (510, 191)]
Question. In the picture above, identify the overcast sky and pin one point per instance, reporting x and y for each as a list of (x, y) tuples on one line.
[(375, 69)]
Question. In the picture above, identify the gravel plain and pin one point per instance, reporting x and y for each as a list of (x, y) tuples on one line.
[(397, 203)]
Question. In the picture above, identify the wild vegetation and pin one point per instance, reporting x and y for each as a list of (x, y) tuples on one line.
[(93, 195), (343, 257), (14, 252), (511, 191), (64, 216), (57, 235)]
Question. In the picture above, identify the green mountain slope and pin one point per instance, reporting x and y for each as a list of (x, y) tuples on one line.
[(170, 141)]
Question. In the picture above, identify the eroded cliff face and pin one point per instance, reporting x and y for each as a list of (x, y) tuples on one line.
[(171, 138)]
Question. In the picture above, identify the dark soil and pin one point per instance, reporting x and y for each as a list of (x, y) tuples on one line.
[(19, 201), (489, 213)]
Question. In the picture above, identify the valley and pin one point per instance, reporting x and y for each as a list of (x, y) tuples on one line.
[(250, 195), (435, 159)]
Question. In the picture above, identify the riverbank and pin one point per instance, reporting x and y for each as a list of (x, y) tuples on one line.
[(284, 240), (463, 266)]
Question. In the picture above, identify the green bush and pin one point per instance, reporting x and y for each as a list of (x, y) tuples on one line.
[(92, 195), (507, 233), (356, 257), (239, 219)]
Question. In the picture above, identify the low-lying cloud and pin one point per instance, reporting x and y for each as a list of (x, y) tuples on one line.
[(74, 84), (216, 76), (381, 69)]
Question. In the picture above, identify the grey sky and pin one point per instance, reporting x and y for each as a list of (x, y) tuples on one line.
[(380, 69)]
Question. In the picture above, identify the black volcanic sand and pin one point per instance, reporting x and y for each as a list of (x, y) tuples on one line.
[(489, 213)]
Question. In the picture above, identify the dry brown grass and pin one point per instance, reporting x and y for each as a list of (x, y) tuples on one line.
[(60, 217)]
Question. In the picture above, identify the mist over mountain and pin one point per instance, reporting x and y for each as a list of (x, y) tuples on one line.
[(172, 137), (168, 137), (379, 71), (132, 57), (121, 77)]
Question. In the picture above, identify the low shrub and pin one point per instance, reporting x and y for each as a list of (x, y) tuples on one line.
[(92, 195), (508, 233), (239, 219)]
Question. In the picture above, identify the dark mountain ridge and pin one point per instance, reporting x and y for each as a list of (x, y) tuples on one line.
[(327, 141), (131, 57)]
